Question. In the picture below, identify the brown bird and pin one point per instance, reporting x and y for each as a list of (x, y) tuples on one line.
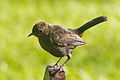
[(60, 41)]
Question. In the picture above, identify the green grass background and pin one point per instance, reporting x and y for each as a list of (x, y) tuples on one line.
[(21, 58)]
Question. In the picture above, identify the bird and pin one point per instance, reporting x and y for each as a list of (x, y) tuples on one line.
[(60, 41)]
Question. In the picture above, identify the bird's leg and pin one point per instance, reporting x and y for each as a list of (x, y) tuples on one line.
[(69, 57), (56, 66), (58, 62)]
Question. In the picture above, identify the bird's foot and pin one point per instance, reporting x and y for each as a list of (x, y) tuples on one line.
[(61, 68), (56, 69)]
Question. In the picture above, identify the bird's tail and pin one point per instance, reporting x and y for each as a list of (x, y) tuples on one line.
[(91, 24)]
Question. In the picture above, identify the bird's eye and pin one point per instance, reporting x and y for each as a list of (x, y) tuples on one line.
[(40, 30)]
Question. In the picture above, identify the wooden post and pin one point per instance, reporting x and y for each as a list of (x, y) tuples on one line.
[(54, 73)]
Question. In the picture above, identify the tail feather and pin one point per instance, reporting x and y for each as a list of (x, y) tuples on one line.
[(91, 23)]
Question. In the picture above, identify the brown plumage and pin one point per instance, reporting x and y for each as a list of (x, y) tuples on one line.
[(60, 41)]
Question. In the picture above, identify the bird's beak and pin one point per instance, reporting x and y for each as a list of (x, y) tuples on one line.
[(30, 34)]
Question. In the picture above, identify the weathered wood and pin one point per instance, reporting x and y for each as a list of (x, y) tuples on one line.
[(54, 73)]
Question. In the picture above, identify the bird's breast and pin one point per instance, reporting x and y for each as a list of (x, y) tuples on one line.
[(47, 45)]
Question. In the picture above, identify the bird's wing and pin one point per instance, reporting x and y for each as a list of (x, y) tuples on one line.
[(66, 39)]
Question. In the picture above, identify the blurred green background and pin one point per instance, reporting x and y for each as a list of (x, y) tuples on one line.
[(21, 58)]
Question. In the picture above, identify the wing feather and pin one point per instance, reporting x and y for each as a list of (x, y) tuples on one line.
[(66, 39)]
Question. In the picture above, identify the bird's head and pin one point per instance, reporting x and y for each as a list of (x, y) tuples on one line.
[(38, 29)]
